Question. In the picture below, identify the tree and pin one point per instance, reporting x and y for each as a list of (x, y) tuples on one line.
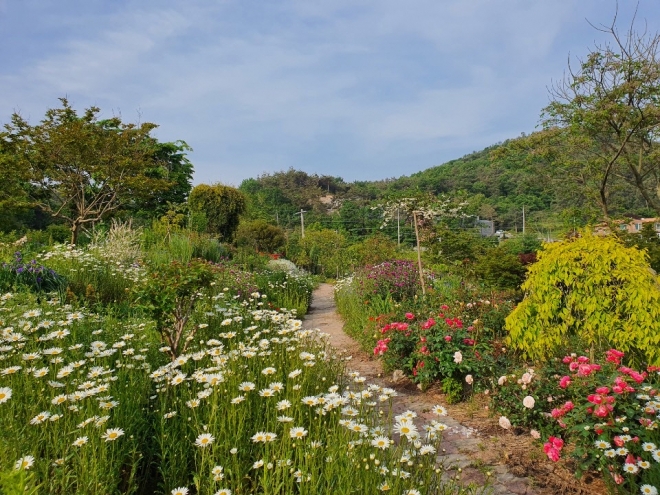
[(322, 251), (260, 236), (77, 168), (222, 206), (608, 111), (593, 289), (170, 163), (425, 210)]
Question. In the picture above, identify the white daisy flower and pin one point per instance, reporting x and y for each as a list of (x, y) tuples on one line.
[(112, 434), (204, 440), (25, 462)]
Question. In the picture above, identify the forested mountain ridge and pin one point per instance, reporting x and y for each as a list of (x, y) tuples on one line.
[(497, 182)]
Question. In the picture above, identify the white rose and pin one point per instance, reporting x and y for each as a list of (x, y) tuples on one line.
[(528, 402), (469, 379), (458, 357), (505, 423)]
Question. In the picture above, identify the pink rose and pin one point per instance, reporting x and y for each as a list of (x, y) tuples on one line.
[(601, 411), (584, 369), (565, 381)]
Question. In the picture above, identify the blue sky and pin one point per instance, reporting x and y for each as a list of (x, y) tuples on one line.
[(358, 89)]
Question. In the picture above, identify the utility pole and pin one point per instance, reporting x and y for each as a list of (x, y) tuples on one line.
[(419, 255), (302, 222), (398, 228)]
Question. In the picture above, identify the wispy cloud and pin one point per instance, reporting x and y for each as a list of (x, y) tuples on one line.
[(357, 89)]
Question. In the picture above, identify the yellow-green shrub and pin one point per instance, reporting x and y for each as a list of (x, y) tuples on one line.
[(592, 288)]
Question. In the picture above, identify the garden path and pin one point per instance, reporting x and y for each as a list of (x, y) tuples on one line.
[(462, 446)]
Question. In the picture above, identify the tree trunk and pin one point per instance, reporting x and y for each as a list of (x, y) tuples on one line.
[(75, 230)]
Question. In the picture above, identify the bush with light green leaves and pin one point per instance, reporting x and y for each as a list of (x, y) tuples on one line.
[(593, 292)]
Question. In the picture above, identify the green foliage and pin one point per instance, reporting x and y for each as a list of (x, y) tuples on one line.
[(523, 244), (284, 290), (31, 274), (372, 250), (645, 240), (94, 275), (320, 252), (171, 164), (606, 113), (453, 390), (222, 206), (280, 195), (500, 269), (170, 296), (457, 245), (260, 236), (77, 168), (593, 288), (18, 482), (248, 259)]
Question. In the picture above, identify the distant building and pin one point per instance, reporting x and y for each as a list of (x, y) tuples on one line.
[(486, 227), (630, 225)]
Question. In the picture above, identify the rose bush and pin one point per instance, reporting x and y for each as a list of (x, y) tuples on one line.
[(613, 420), (439, 347)]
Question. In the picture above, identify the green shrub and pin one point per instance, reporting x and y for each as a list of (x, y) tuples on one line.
[(593, 288), (500, 269), (373, 250), (221, 205), (260, 236), (170, 296)]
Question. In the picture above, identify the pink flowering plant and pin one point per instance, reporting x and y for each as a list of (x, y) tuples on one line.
[(612, 422), (398, 279), (433, 348), (527, 395)]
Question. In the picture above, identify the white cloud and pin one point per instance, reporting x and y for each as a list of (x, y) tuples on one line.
[(297, 83)]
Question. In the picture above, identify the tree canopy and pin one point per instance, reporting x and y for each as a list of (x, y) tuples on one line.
[(220, 205), (79, 169), (608, 112)]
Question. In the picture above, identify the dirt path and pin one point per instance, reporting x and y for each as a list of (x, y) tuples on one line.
[(478, 447)]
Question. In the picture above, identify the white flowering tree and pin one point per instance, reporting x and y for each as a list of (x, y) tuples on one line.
[(425, 211)]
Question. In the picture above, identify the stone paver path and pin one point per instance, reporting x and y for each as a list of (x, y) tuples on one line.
[(458, 441)]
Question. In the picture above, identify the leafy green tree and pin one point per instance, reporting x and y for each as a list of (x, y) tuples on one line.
[(321, 251), (645, 240), (260, 236), (170, 163), (523, 244), (373, 250), (591, 288), (222, 205), (77, 168), (500, 269), (607, 110), (170, 298)]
